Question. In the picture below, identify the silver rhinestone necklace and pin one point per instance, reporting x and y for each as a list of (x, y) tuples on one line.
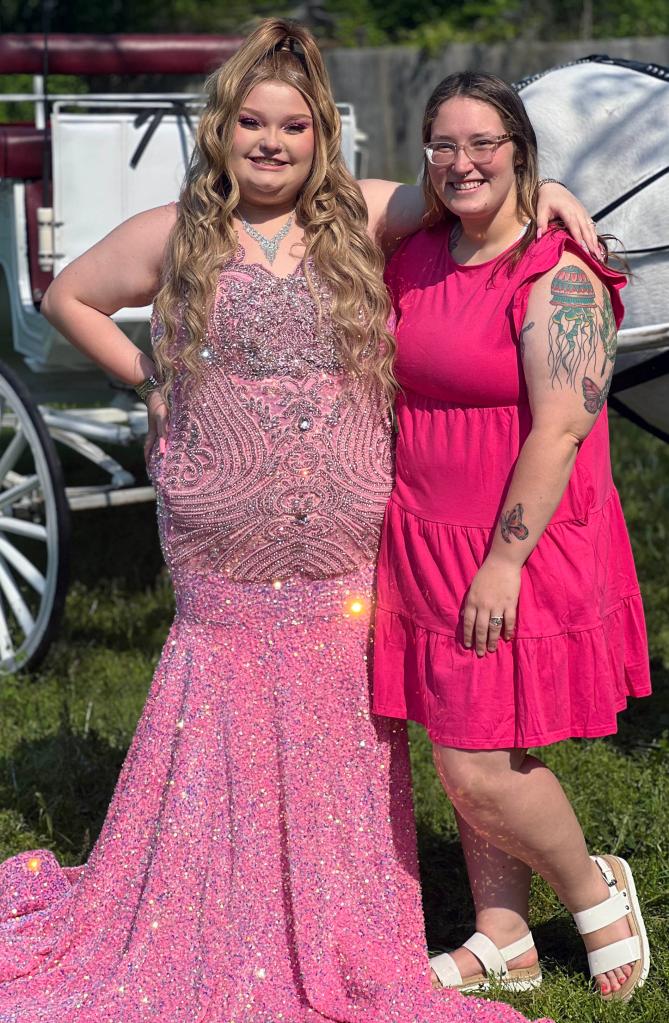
[(270, 246)]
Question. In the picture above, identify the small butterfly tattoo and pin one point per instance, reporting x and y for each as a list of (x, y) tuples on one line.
[(511, 523), (595, 396)]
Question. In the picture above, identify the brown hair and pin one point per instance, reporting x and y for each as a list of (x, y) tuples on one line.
[(496, 93), (513, 115), (330, 207)]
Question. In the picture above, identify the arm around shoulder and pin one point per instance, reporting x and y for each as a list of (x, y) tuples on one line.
[(395, 211)]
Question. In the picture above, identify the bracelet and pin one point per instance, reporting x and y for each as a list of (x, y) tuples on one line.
[(144, 389), (551, 181)]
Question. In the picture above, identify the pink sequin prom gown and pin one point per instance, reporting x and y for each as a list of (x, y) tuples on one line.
[(258, 861)]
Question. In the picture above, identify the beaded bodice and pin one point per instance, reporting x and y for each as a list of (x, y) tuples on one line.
[(277, 462)]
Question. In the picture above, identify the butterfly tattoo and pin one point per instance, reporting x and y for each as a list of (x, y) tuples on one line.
[(511, 524), (595, 397)]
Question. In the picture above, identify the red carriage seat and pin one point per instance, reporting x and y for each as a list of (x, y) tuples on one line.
[(21, 151), (21, 159)]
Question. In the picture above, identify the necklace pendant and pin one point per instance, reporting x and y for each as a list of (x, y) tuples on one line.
[(269, 246)]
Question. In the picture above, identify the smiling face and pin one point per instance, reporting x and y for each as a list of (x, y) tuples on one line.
[(273, 145), (469, 190)]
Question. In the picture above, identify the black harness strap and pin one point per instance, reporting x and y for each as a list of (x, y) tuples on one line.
[(633, 376), (154, 117), (641, 373), (627, 413), (628, 195), (645, 252)]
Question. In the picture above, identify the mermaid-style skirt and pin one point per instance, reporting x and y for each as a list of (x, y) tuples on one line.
[(251, 868)]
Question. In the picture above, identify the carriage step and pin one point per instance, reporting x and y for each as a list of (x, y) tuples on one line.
[(88, 498)]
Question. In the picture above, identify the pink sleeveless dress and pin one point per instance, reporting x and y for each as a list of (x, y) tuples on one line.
[(463, 414), (258, 861)]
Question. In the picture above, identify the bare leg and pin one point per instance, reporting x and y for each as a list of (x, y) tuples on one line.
[(517, 806), (500, 887)]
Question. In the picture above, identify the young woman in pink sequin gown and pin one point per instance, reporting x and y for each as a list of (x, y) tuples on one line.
[(258, 860)]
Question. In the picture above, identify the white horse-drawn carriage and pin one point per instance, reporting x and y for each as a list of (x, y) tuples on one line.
[(87, 163)]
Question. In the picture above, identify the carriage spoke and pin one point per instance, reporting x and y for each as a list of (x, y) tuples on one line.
[(21, 564), (15, 449), (34, 526), (6, 645), (16, 602), (14, 494), (22, 528)]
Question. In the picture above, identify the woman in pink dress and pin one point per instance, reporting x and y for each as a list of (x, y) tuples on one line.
[(509, 613), (258, 860)]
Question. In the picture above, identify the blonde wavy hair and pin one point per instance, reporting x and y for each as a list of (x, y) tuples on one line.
[(330, 208)]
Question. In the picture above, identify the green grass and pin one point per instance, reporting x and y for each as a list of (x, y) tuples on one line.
[(64, 733)]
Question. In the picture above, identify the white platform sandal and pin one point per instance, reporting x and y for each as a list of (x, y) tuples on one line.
[(494, 961), (622, 902)]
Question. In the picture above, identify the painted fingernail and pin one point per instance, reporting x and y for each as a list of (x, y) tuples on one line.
[(162, 445), (605, 988), (539, 233)]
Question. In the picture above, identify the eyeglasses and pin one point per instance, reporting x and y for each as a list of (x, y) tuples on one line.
[(443, 154)]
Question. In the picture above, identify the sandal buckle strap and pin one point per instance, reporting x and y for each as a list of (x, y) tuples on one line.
[(605, 870), (619, 953)]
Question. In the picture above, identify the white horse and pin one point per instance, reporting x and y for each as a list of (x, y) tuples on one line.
[(603, 128)]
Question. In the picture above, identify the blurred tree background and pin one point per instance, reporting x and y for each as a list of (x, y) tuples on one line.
[(426, 23)]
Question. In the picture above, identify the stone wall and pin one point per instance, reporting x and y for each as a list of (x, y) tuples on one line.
[(390, 85)]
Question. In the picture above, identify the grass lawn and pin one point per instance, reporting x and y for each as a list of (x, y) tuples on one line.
[(64, 733)]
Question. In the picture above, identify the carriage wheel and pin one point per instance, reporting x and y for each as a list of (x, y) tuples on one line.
[(34, 530)]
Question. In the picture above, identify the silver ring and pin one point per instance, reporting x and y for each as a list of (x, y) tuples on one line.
[(496, 621)]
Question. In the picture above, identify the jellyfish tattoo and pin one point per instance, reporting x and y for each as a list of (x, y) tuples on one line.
[(572, 329)]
